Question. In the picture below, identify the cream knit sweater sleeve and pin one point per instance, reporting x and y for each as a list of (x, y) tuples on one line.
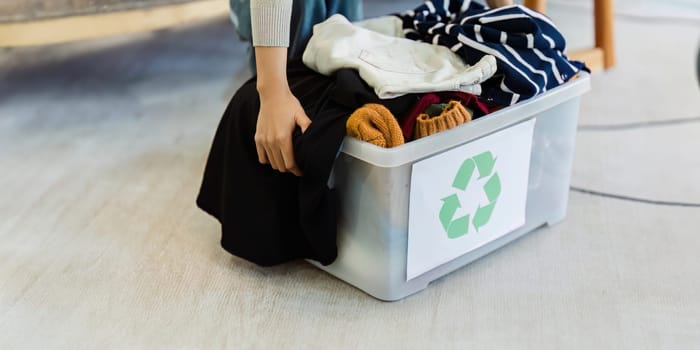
[(270, 21)]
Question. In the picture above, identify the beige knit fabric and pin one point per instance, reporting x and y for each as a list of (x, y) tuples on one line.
[(270, 21)]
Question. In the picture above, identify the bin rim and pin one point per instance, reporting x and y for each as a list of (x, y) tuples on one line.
[(413, 151)]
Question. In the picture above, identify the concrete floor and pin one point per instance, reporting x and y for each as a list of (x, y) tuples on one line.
[(102, 146)]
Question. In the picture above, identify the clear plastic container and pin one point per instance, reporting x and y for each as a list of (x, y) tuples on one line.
[(375, 187)]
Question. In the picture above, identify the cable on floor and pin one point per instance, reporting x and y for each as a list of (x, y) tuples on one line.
[(638, 125), (632, 126), (634, 199)]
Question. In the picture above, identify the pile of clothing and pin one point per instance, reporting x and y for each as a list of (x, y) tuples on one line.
[(387, 81), (500, 56)]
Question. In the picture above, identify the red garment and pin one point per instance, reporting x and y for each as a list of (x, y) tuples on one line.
[(409, 122), (478, 107)]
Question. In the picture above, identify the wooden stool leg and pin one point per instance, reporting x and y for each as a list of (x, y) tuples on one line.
[(537, 5), (604, 37), (499, 3)]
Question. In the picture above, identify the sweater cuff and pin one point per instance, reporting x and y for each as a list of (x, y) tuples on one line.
[(270, 21)]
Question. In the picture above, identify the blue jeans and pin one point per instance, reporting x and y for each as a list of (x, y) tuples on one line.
[(305, 13)]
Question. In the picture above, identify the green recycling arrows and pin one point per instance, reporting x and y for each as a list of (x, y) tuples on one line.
[(484, 164)]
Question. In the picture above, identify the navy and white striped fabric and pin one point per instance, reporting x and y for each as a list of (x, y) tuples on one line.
[(529, 49)]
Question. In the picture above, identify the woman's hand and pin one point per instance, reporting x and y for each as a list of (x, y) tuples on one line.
[(279, 112)]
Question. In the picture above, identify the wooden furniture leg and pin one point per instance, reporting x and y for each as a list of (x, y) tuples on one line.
[(602, 56), (537, 5), (604, 38)]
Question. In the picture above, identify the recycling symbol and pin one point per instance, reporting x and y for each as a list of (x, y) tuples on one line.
[(484, 164)]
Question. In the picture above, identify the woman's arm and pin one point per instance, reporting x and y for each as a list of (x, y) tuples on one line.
[(280, 111)]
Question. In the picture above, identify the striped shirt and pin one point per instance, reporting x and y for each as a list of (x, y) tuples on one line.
[(528, 47)]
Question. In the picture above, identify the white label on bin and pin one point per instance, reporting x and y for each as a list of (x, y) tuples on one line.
[(467, 197)]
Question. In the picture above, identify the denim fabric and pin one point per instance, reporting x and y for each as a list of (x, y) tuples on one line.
[(240, 17)]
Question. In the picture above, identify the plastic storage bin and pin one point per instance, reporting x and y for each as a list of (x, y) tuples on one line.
[(384, 247)]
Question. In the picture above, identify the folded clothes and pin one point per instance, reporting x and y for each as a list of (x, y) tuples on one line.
[(528, 47), (392, 66), (452, 115), (375, 124)]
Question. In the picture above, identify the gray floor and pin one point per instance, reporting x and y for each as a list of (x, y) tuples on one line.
[(102, 145)]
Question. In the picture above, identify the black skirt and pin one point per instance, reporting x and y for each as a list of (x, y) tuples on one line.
[(268, 217)]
